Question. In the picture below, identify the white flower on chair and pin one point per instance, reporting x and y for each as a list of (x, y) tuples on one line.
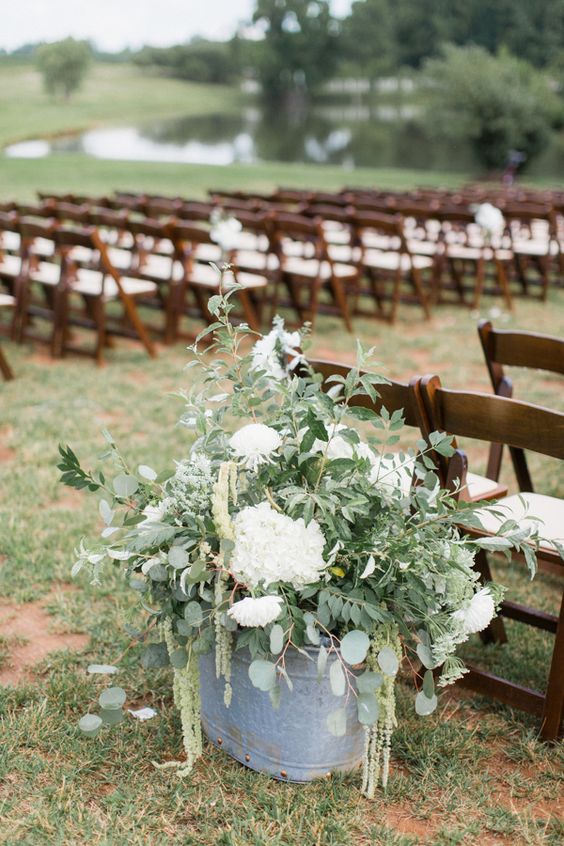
[(490, 219), (478, 613)]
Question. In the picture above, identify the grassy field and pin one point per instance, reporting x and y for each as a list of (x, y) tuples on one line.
[(474, 773)]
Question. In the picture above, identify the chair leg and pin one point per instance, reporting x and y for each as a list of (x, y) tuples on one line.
[(504, 284), (5, 368), (99, 311), (554, 699), (495, 632), (137, 324), (480, 274), (395, 296), (341, 300), (420, 291)]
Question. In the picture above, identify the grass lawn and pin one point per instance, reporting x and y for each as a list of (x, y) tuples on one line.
[(473, 773)]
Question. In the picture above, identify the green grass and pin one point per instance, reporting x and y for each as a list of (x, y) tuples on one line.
[(472, 774), (111, 94)]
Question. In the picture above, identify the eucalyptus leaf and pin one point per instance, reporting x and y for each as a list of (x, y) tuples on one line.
[(425, 705), (429, 684), (125, 485), (354, 647), (177, 557), (179, 658), (337, 722), (321, 662), (312, 634), (425, 656), (112, 716), (147, 472), (193, 614), (369, 682), (107, 669), (276, 639), (90, 724), (262, 674), (155, 656), (337, 678), (112, 698), (388, 661), (367, 709), (106, 512)]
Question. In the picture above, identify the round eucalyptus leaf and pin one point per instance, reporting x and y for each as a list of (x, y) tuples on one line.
[(193, 614), (158, 573), (177, 557), (337, 722), (312, 634), (112, 716), (425, 705), (147, 472), (369, 682), (429, 684), (125, 485), (106, 512), (262, 674), (112, 697), (337, 678), (354, 647), (367, 708), (155, 656), (179, 659), (388, 661), (321, 662), (106, 669), (425, 656), (90, 724), (276, 639)]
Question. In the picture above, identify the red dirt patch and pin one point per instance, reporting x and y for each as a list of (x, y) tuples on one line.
[(29, 626), (70, 500), (6, 452)]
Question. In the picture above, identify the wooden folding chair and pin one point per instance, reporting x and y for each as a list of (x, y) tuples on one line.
[(96, 286), (305, 265), (202, 280), (527, 427), (6, 302), (519, 349), (10, 249), (532, 232), (389, 264)]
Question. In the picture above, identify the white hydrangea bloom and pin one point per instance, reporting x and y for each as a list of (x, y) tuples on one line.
[(271, 352), (490, 219), (338, 447), (251, 612), (254, 444), (477, 614), (271, 547)]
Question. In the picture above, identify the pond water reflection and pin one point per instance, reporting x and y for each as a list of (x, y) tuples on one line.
[(350, 136)]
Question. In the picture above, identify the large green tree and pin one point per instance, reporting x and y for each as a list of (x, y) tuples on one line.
[(497, 103), (367, 39), (300, 47), (64, 65)]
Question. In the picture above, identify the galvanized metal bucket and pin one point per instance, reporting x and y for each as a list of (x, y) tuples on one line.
[(291, 743)]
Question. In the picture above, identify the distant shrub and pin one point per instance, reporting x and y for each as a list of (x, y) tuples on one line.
[(64, 65), (497, 103), (198, 61)]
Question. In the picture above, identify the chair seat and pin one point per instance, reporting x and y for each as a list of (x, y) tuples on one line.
[(375, 241), (256, 260), (91, 283), (161, 268), (208, 252), (521, 508), (344, 253), (207, 277), (479, 487), (423, 248), (312, 268), (466, 253), (7, 301), (43, 247), (10, 266), (46, 273), (395, 261), (120, 258), (10, 241), (533, 247)]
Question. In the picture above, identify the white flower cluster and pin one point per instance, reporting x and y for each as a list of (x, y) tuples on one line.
[(271, 352), (225, 230), (189, 490), (254, 444), (259, 611), (271, 547), (490, 219), (339, 447)]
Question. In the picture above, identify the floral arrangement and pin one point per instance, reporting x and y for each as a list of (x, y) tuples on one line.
[(283, 526)]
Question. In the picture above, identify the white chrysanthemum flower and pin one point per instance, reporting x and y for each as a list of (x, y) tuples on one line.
[(254, 444), (271, 547), (478, 613), (490, 219), (271, 352), (251, 612)]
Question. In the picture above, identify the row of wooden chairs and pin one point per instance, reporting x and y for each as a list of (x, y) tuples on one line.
[(502, 421)]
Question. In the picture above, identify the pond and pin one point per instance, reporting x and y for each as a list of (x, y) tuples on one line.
[(348, 136)]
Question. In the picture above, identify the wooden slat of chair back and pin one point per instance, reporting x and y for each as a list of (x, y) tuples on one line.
[(196, 211), (392, 396), (520, 349), (388, 224), (491, 418), (68, 211)]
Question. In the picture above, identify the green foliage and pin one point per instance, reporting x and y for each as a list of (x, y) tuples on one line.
[(213, 62), (367, 41), (63, 64), (300, 47), (497, 103)]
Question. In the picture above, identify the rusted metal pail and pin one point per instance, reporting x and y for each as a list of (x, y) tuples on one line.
[(291, 743)]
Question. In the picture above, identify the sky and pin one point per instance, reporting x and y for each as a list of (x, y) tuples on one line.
[(114, 24)]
